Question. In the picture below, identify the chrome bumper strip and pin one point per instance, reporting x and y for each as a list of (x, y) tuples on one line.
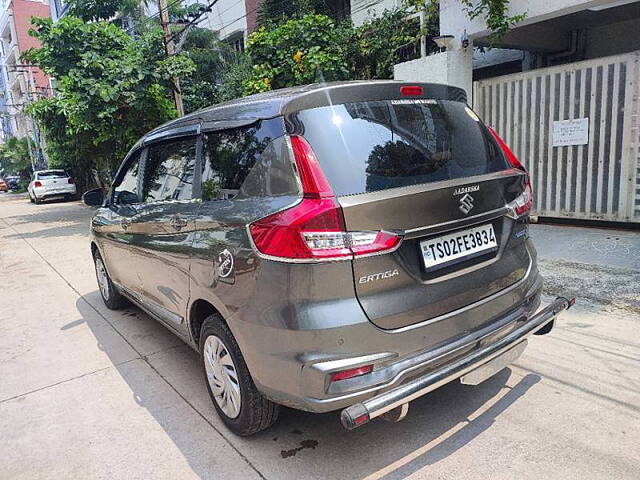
[(361, 413)]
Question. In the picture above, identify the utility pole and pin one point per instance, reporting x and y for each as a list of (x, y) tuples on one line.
[(169, 48)]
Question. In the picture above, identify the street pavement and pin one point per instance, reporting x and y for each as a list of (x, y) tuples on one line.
[(86, 392)]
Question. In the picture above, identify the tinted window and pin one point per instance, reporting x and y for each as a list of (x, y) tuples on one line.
[(126, 192), (371, 146), (273, 173), (169, 170), (245, 162), (48, 175)]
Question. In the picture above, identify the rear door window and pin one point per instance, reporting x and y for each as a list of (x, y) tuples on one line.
[(372, 146), (246, 162), (169, 170)]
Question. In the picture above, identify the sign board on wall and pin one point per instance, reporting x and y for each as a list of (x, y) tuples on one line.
[(571, 132)]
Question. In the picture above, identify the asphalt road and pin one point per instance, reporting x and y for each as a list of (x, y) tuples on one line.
[(90, 393)]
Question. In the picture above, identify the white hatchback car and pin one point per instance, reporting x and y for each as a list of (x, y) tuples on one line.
[(46, 184)]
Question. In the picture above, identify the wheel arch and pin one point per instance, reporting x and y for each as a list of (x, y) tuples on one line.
[(199, 311)]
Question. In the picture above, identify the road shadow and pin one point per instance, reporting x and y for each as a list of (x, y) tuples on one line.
[(306, 445), (72, 219), (73, 211)]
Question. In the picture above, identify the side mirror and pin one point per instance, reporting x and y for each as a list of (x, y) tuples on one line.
[(94, 198)]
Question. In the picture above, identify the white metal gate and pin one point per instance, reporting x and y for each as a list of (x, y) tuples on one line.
[(596, 181)]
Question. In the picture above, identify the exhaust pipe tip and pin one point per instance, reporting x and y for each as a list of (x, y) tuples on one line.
[(354, 416)]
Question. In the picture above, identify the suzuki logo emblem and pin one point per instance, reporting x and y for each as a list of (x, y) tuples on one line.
[(466, 204)]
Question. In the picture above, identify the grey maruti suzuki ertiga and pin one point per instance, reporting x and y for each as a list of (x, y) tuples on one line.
[(335, 246)]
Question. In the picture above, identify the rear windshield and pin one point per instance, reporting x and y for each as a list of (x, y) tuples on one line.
[(371, 146), (52, 174)]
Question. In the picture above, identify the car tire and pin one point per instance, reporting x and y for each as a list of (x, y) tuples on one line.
[(37, 200), (112, 298), (226, 371)]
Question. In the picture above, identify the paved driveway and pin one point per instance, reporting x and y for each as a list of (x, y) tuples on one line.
[(90, 393)]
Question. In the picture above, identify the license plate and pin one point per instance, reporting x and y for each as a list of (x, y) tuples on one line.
[(448, 249), (489, 369)]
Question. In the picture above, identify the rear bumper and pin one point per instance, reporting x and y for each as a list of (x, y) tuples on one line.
[(362, 412), (41, 193)]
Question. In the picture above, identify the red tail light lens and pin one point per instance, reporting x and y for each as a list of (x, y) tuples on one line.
[(37, 184), (523, 203), (314, 183), (314, 229), (71, 180), (352, 372), (411, 90)]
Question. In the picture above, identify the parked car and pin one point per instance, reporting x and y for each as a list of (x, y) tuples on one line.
[(13, 182), (47, 184), (339, 246), (3, 186)]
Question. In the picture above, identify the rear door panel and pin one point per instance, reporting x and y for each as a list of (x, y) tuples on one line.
[(163, 256), (407, 293)]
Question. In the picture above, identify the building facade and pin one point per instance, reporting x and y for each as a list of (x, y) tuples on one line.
[(563, 89), (21, 83), (230, 19), (58, 8)]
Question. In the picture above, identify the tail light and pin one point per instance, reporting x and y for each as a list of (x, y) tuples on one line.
[(351, 373), (37, 184), (523, 203), (314, 229), (71, 180)]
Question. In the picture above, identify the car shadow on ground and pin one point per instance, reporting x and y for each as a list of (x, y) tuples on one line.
[(306, 445)]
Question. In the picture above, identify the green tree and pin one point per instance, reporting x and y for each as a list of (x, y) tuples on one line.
[(94, 10), (213, 60), (274, 12), (380, 41), (112, 88), (236, 73), (15, 157), (300, 51)]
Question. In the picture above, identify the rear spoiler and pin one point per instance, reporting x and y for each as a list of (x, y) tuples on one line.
[(368, 91)]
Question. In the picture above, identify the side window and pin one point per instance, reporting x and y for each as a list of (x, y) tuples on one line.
[(169, 171), (126, 192), (229, 155), (246, 162), (273, 174)]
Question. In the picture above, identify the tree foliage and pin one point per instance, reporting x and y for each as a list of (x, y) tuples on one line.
[(312, 48), (112, 88), (212, 59), (15, 157), (275, 12), (380, 41), (316, 48), (94, 10), (496, 16)]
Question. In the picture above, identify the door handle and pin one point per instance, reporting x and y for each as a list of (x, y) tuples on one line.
[(125, 223), (178, 222)]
